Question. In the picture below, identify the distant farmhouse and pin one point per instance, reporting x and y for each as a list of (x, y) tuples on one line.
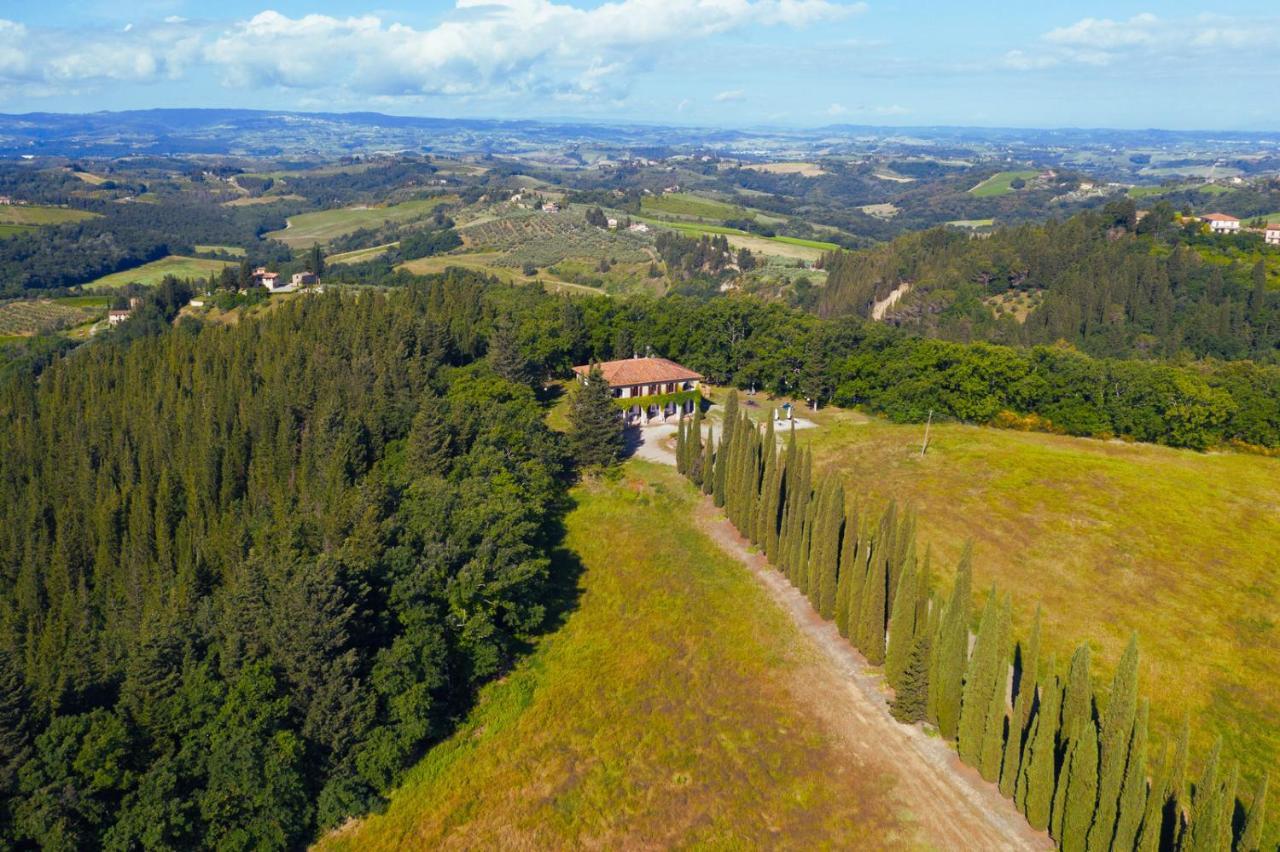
[(1272, 234), (662, 389), (1221, 223)]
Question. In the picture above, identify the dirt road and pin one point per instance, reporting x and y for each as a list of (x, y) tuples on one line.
[(954, 807)]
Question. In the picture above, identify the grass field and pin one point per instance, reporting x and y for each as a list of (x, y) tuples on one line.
[(251, 200), (308, 229), (15, 230), (971, 223), (359, 255), (234, 251), (1150, 191), (662, 714), (1000, 183), (154, 272), (792, 247), (35, 214), (1183, 547), (687, 204)]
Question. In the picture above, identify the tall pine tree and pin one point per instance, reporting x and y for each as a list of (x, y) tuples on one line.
[(1117, 738), (952, 653)]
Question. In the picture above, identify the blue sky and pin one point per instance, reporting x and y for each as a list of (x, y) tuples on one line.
[(722, 62)]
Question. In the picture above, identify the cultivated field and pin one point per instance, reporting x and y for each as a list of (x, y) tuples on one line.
[(234, 251), (488, 263), (154, 272), (35, 214), (791, 247), (1183, 547), (307, 229), (359, 255), (544, 239), (803, 169), (673, 708), (23, 317), (250, 200), (1000, 183)]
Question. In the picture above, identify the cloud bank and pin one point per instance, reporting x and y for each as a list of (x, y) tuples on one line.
[(484, 48)]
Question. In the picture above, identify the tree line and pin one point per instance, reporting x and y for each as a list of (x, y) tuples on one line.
[(748, 342), (247, 574), (1085, 770)]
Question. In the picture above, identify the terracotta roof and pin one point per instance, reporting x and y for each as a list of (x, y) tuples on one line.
[(640, 371), (1272, 226), (1219, 217)]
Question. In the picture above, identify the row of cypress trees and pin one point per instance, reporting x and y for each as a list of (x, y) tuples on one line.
[(1078, 769)]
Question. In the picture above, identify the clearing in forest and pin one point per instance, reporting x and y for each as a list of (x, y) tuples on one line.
[(154, 272), (1000, 183), (677, 705), (307, 229)]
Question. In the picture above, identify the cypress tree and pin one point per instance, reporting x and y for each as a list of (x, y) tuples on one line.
[(1080, 788), (902, 625), (1077, 699), (708, 461), (681, 449), (724, 455), (1133, 794), (769, 465), (1204, 831), (595, 424), (849, 584), (1117, 735), (1251, 837), (1037, 781), (1028, 663), (947, 679), (694, 438), (1152, 831), (911, 699), (772, 514), (978, 677), (994, 729), (802, 514), (870, 634), (829, 566)]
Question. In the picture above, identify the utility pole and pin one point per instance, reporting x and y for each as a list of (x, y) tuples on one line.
[(924, 446)]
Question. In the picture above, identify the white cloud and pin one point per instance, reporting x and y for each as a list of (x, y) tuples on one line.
[(837, 109), (483, 48), (1101, 42), (726, 97)]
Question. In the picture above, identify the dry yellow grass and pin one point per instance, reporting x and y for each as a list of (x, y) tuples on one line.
[(660, 714), (1182, 547)]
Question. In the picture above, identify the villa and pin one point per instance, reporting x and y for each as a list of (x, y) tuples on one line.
[(661, 389)]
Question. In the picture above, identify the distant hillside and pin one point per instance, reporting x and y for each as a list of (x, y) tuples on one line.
[(1103, 281)]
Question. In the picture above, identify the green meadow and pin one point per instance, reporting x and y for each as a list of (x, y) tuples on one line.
[(307, 229), (155, 272), (1000, 183)]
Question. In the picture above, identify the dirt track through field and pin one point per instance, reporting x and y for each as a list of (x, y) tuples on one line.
[(954, 808)]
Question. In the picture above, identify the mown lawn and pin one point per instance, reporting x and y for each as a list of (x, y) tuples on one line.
[(307, 229), (155, 272), (1183, 547), (659, 715)]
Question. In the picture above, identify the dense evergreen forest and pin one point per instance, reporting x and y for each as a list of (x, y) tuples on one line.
[(1079, 767), (1104, 281), (247, 573)]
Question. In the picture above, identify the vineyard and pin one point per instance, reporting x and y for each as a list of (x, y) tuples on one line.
[(543, 239), (27, 317)]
